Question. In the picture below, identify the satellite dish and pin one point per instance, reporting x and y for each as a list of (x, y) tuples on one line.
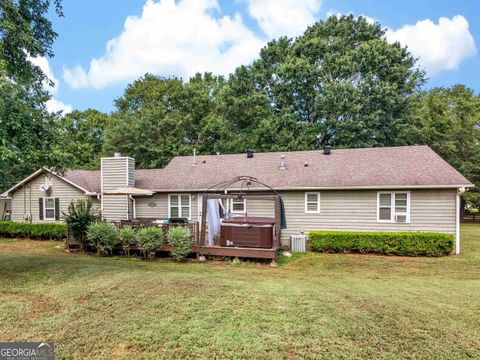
[(46, 185)]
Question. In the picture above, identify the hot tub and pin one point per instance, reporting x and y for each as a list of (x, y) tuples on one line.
[(249, 231)]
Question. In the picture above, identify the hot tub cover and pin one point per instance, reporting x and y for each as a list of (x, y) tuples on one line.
[(252, 220)]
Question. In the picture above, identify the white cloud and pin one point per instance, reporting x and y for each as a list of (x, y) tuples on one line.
[(52, 105), (55, 105), (171, 38), (283, 17), (44, 65), (439, 46)]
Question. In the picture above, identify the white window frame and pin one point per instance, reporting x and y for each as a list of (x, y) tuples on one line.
[(392, 207), (180, 205), (318, 203), (230, 206), (45, 208)]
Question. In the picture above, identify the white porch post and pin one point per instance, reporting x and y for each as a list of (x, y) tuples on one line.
[(457, 220), (134, 207)]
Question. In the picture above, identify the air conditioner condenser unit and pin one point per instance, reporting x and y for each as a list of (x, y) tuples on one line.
[(298, 243)]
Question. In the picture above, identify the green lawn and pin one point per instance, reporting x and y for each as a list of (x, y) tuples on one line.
[(316, 306)]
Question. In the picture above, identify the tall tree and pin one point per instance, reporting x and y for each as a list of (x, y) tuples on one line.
[(341, 78), (448, 120), (82, 137), (27, 130), (159, 118), (25, 33)]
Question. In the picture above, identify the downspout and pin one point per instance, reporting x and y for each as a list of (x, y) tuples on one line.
[(457, 219), (30, 195), (24, 202), (134, 206)]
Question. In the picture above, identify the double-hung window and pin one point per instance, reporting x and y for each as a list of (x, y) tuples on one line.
[(179, 205), (49, 208), (393, 206), (312, 202), (238, 206)]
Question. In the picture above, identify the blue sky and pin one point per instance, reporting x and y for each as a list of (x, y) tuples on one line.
[(104, 45)]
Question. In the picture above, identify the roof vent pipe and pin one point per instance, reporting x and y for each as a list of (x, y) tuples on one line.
[(194, 157), (117, 154), (249, 154), (327, 149), (282, 162)]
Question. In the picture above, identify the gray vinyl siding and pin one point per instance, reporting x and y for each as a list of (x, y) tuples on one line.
[(352, 210), (25, 199), (5, 205), (260, 208), (430, 210), (131, 171), (160, 210), (117, 172)]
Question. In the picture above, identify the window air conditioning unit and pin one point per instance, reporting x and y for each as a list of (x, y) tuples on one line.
[(298, 243), (401, 218)]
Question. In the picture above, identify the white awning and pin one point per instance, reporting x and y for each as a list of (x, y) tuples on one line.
[(129, 190)]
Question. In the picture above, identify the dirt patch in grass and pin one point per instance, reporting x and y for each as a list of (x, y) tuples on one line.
[(26, 246)]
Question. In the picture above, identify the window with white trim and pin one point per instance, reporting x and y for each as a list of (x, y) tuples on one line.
[(48, 208), (312, 202), (179, 205), (393, 206), (238, 206)]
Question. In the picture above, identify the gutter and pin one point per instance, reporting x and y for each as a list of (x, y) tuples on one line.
[(382, 187)]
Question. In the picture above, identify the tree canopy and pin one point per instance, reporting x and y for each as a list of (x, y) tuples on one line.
[(448, 120), (340, 83), (28, 132), (26, 32)]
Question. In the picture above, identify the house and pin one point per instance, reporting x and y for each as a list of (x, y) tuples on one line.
[(408, 188)]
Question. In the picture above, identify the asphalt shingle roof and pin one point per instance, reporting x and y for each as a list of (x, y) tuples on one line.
[(403, 166)]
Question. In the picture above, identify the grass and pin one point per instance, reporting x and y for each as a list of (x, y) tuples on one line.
[(314, 306)]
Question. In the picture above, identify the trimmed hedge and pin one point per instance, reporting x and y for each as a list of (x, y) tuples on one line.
[(388, 243), (33, 231)]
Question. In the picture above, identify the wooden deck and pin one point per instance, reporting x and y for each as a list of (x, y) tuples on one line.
[(214, 250), (258, 253)]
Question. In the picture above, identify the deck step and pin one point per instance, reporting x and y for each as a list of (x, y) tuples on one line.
[(240, 252)]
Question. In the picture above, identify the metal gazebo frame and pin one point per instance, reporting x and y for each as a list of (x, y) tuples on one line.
[(246, 182)]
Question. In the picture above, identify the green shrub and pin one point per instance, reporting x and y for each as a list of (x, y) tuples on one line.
[(80, 215), (389, 243), (128, 236), (103, 236), (33, 231), (149, 240), (48, 231), (181, 241)]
